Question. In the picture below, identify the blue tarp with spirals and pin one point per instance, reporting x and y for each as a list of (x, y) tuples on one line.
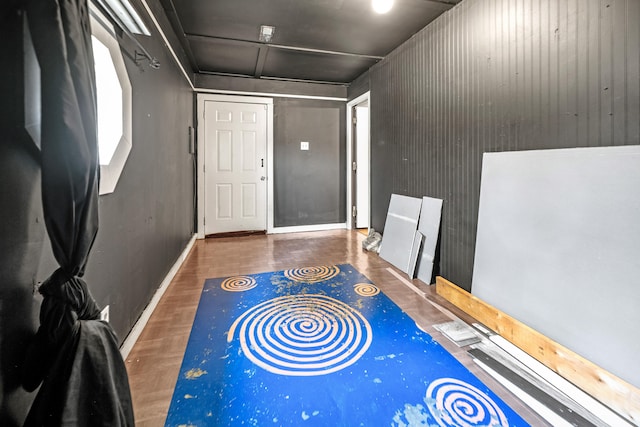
[(320, 346)]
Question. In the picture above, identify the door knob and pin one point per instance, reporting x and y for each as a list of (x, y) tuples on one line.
[(262, 178)]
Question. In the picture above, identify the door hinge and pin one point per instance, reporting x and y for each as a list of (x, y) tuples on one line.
[(354, 211), (354, 166), (354, 120), (204, 221)]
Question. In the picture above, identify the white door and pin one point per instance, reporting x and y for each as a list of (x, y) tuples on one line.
[(235, 145)]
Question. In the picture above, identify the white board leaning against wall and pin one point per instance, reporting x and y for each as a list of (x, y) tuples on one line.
[(411, 233), (558, 248)]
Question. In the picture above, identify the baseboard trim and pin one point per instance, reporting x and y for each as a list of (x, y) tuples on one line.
[(607, 388), (137, 329), (304, 228)]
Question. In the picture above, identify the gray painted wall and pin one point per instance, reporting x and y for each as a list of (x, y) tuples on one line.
[(21, 240), (359, 86), (497, 75), (266, 86), (309, 185), (144, 224), (21, 227), (147, 221)]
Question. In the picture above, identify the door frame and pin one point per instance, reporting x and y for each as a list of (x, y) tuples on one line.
[(350, 147), (202, 98)]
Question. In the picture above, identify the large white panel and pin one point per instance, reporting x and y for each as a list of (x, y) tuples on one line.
[(558, 248), (400, 230), (224, 151), (429, 227), (249, 155), (224, 201), (249, 202)]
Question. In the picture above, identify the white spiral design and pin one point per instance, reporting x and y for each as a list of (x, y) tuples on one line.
[(313, 274), (238, 283), (454, 403), (366, 289), (302, 335)]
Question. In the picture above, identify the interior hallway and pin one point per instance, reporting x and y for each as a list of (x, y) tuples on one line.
[(154, 362)]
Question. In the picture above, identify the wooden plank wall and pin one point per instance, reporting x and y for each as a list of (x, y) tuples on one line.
[(498, 75)]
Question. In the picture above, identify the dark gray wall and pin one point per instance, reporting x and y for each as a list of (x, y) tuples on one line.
[(21, 226), (267, 86), (359, 86), (144, 224), (494, 76), (309, 185), (164, 15)]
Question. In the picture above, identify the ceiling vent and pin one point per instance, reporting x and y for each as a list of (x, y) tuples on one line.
[(266, 33)]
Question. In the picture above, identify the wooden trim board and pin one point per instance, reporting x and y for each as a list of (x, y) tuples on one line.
[(614, 392)]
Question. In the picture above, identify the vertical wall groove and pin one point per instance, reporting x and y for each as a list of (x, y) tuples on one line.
[(498, 75)]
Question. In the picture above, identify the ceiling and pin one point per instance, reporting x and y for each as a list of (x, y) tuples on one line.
[(325, 41)]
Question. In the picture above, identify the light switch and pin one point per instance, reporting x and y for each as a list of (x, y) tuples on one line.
[(304, 145)]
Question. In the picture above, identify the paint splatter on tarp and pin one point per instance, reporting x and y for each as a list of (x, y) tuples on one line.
[(320, 346)]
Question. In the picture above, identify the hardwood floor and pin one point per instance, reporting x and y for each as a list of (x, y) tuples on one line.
[(154, 362)]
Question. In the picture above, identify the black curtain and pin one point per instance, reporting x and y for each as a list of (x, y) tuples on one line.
[(74, 357)]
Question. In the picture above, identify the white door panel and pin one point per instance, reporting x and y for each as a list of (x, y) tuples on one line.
[(224, 194), (249, 151), (235, 154), (249, 208), (224, 151)]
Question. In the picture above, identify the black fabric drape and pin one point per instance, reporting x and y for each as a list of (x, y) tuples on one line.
[(74, 355), (61, 35), (76, 358)]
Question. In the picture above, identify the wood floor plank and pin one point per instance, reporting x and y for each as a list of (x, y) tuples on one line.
[(154, 362)]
